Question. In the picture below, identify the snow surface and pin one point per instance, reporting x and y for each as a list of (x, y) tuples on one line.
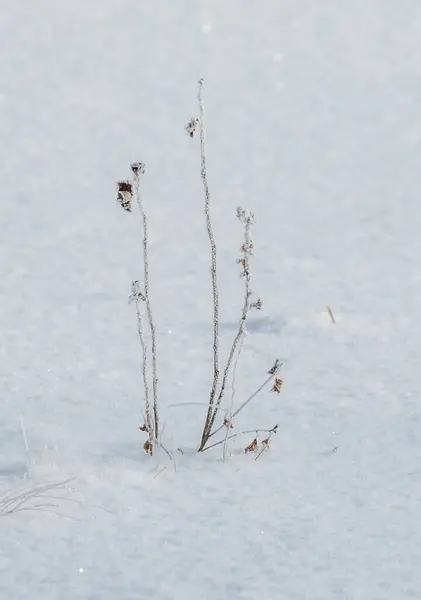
[(314, 123)]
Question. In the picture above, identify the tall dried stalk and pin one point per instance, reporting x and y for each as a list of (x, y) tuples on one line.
[(138, 169), (203, 171)]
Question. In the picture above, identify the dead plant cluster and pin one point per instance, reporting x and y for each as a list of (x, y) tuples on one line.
[(217, 421)]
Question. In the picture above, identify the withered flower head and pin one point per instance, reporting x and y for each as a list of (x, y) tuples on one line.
[(138, 168), (191, 127)]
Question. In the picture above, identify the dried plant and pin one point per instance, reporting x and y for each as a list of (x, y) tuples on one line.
[(126, 190), (277, 385), (137, 296), (138, 169), (252, 447), (125, 194), (190, 128), (247, 219)]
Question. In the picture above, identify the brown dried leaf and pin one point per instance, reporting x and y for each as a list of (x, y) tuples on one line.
[(252, 447), (125, 186), (277, 385), (147, 446)]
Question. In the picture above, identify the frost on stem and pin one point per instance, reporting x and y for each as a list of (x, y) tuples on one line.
[(136, 297), (247, 219), (190, 128), (138, 169)]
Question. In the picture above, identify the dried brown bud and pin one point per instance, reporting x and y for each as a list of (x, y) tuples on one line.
[(125, 186), (191, 127), (138, 168), (125, 194), (147, 446), (252, 447), (277, 385)]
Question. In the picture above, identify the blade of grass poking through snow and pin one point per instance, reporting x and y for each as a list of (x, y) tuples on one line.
[(138, 169), (247, 219), (215, 295)]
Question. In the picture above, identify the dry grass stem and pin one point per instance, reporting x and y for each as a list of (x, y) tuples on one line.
[(215, 295), (331, 315), (138, 169), (247, 219), (137, 296)]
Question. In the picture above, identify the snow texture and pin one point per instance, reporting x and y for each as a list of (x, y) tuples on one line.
[(313, 113)]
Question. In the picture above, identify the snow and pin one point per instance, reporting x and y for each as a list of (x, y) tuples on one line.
[(314, 124)]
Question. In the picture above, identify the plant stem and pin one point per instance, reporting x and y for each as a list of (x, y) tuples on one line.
[(148, 305), (203, 172)]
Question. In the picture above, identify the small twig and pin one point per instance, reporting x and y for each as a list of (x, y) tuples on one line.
[(256, 431), (159, 472), (228, 417), (273, 372), (331, 315), (165, 450)]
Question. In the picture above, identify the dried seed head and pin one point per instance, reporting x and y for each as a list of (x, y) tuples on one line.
[(125, 194), (252, 447), (191, 127), (138, 168), (143, 427), (275, 368), (136, 294), (277, 385), (147, 446), (258, 305)]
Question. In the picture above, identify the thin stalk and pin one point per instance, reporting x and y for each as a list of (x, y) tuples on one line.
[(249, 399), (247, 219), (147, 299), (215, 295), (256, 431), (144, 369)]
